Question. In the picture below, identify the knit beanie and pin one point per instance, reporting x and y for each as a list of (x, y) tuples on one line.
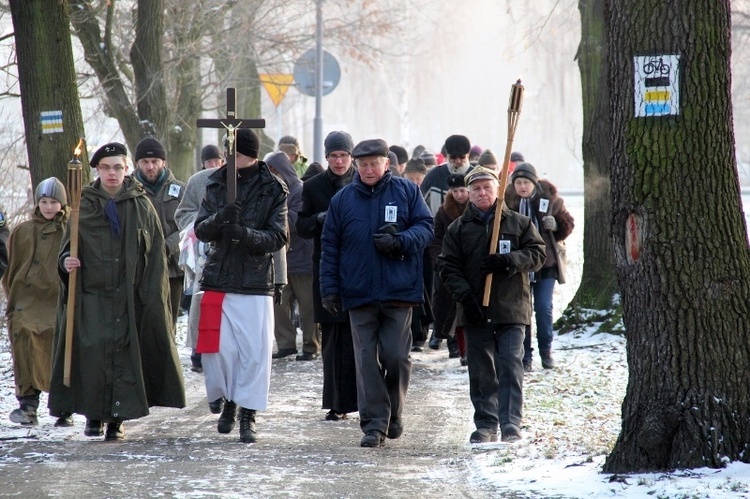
[(247, 142), (487, 158), (516, 157), (400, 153), (428, 158), (210, 152), (415, 165), (525, 170), (150, 148), (338, 141), (51, 188)]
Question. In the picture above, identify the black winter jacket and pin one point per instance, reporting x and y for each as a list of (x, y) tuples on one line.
[(247, 267)]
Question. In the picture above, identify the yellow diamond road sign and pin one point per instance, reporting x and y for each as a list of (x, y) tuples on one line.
[(276, 85)]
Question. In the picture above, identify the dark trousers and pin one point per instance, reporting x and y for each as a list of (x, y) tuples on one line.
[(339, 369), (382, 342), (495, 359), (175, 295)]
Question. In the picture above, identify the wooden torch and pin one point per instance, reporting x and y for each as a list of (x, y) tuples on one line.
[(514, 113), (75, 180)]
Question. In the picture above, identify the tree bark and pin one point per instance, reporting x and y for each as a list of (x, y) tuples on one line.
[(47, 80), (680, 245), (598, 280)]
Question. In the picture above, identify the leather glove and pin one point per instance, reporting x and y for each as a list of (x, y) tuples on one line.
[(388, 245), (472, 309), (500, 263), (321, 218), (277, 293), (549, 223), (229, 214), (332, 303), (235, 233)]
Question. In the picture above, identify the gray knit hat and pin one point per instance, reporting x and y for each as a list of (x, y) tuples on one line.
[(51, 188)]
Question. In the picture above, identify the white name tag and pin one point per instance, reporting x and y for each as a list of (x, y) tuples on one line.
[(391, 214), (543, 205), (174, 190), (503, 247)]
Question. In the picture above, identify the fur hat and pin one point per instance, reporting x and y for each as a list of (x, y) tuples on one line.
[(370, 147), (525, 170), (51, 188), (247, 142), (456, 180), (150, 148), (210, 152), (487, 158), (106, 151), (415, 165), (338, 141), (288, 139), (480, 173), (401, 153), (457, 145)]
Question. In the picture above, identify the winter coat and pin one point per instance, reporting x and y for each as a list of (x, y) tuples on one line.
[(166, 197), (435, 184), (443, 305), (299, 251), (32, 286), (556, 208), (351, 266), (466, 245), (316, 196), (4, 233), (124, 358), (245, 268)]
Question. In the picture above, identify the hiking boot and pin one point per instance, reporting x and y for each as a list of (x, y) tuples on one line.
[(453, 351), (93, 428), (335, 416), (248, 434), (65, 420), (395, 428), (483, 436), (216, 406), (372, 438), (227, 418), (527, 367), (284, 352), (510, 433), (115, 431), (547, 361), (435, 343), (307, 356), (25, 415)]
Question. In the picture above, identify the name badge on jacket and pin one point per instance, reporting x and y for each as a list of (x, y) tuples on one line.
[(391, 214), (174, 190), (543, 205)]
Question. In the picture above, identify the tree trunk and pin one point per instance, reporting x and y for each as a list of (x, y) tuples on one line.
[(47, 80), (598, 281), (680, 245)]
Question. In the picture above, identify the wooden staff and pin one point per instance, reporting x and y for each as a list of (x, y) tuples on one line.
[(514, 113), (74, 191)]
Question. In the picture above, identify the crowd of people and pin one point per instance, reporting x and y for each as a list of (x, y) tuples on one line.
[(377, 255)]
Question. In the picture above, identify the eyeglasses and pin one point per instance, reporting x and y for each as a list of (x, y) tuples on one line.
[(113, 168), (458, 157), (337, 157)]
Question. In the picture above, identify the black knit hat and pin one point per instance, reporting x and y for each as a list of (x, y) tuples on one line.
[(456, 180), (210, 152), (150, 148), (415, 165), (457, 145), (401, 153), (524, 170), (247, 142), (516, 157), (107, 150), (338, 141)]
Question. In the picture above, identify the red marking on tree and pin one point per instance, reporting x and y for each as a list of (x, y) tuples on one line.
[(632, 239)]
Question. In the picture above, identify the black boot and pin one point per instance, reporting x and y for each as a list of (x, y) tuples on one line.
[(26, 412), (248, 434), (227, 418)]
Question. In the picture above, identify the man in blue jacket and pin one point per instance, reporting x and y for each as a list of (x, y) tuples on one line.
[(371, 265)]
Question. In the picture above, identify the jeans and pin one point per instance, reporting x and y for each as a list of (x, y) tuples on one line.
[(541, 291)]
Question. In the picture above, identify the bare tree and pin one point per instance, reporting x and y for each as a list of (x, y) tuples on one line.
[(680, 242)]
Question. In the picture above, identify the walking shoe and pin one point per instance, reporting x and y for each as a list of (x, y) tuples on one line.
[(64, 421), (372, 438), (284, 352), (307, 356), (417, 348), (395, 428), (115, 431), (547, 361), (453, 352), (335, 416), (510, 433), (93, 428), (435, 343), (248, 434), (464, 362), (227, 418), (25, 415), (216, 406), (196, 361), (483, 436), (527, 368)]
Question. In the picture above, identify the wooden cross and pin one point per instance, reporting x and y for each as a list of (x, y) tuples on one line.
[(231, 124)]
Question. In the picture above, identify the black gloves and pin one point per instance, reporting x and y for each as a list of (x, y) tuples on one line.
[(332, 303), (497, 263), (388, 245), (229, 214), (277, 293), (472, 309), (235, 233)]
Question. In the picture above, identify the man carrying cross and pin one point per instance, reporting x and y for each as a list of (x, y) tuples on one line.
[(237, 315)]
